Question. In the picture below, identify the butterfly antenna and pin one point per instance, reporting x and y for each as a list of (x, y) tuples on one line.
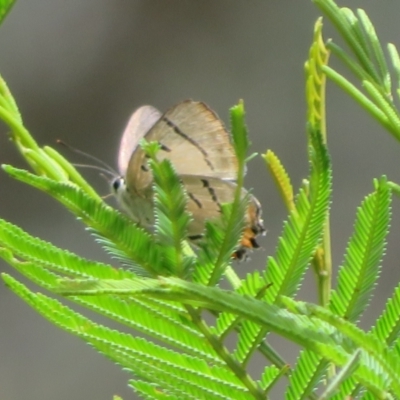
[(106, 168), (102, 170), (106, 177)]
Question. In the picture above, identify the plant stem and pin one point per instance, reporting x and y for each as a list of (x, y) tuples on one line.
[(224, 354)]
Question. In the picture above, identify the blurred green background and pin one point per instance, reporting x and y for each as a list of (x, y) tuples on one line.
[(78, 70)]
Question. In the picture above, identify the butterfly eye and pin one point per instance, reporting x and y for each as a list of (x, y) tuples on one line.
[(117, 183)]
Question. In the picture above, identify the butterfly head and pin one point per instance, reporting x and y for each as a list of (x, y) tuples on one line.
[(139, 209), (117, 185)]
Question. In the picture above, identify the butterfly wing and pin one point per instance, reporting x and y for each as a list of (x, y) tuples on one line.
[(138, 125), (205, 196), (194, 139)]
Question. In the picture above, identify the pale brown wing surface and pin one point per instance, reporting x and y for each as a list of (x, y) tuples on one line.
[(138, 125), (194, 139), (205, 196)]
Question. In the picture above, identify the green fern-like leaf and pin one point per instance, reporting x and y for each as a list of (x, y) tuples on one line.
[(326, 334), (366, 61), (115, 232), (296, 245), (336, 381), (171, 218), (254, 285), (387, 327), (358, 275), (306, 375), (347, 388), (174, 372), (161, 321), (175, 289), (20, 244), (269, 377), (303, 230), (165, 322), (248, 338), (379, 366)]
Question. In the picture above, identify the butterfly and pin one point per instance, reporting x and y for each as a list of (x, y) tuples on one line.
[(196, 142)]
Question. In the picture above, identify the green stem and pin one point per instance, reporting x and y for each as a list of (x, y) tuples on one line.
[(357, 95), (21, 133), (395, 188), (72, 173), (348, 32), (224, 354)]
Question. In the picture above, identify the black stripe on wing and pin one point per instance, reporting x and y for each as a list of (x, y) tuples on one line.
[(212, 193), (179, 132), (195, 200)]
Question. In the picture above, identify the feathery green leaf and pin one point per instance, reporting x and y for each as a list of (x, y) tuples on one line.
[(387, 326), (117, 233), (145, 359), (360, 270), (171, 218), (379, 366), (303, 230), (26, 247), (308, 372)]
